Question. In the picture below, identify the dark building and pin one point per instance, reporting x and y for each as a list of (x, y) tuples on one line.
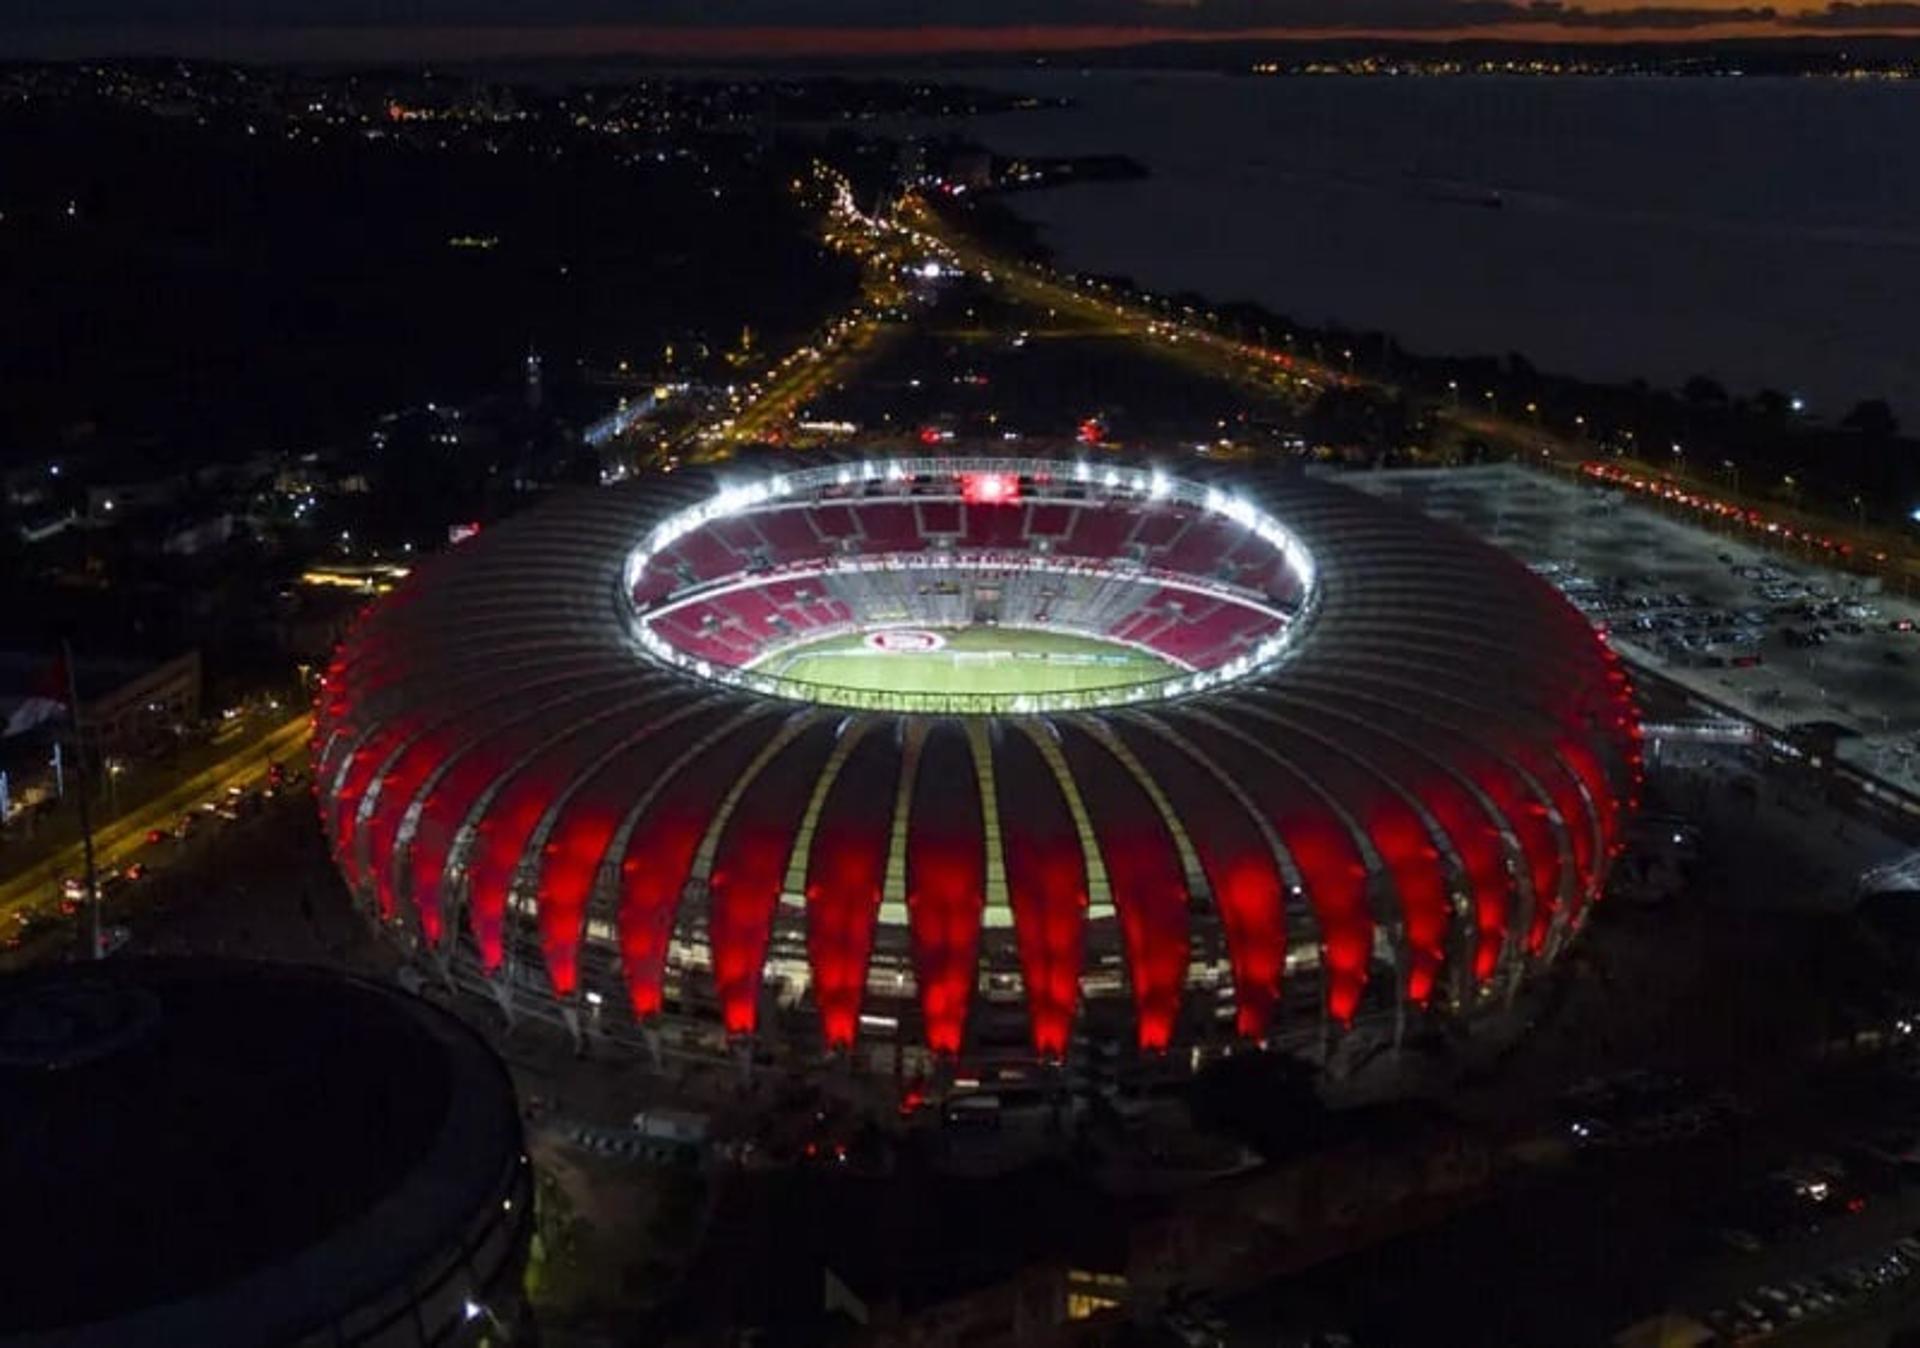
[(216, 1152)]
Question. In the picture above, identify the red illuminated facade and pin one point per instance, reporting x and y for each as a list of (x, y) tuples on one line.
[(1387, 782)]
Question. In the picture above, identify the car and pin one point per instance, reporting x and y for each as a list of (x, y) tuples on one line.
[(72, 887), (136, 871), (115, 939), (155, 836)]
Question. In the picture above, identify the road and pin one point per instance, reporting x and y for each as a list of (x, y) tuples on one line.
[(121, 840), (765, 409), (1229, 357), (1524, 438)]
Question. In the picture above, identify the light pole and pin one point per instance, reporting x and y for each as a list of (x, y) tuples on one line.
[(1733, 470)]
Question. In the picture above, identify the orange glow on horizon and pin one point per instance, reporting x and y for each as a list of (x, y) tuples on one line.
[(816, 42)]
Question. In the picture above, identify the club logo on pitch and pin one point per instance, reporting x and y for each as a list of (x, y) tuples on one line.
[(905, 641)]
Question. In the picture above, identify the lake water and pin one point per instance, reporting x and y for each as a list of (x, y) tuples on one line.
[(1762, 231)]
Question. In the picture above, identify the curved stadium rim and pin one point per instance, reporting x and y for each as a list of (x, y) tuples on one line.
[(793, 485)]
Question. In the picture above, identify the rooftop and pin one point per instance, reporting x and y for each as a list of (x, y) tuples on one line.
[(179, 1128)]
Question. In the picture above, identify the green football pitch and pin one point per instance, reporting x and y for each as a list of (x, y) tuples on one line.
[(972, 660)]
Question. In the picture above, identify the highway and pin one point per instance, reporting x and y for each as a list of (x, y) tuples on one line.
[(765, 409), (122, 840), (1229, 357), (1521, 437), (1226, 357)]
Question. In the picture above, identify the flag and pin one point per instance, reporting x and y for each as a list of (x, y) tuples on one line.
[(46, 701)]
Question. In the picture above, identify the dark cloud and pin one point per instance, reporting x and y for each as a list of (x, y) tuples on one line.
[(1842, 16), (1183, 16), (1449, 15), (1677, 17), (1419, 15)]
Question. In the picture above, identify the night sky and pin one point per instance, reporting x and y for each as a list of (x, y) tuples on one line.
[(700, 29)]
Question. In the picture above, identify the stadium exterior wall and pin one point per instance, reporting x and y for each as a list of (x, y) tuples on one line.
[(1408, 810)]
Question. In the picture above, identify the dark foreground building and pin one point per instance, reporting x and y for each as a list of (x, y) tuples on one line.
[(204, 1152)]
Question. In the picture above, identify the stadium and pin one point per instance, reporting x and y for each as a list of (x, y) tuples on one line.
[(245, 1152), (975, 761)]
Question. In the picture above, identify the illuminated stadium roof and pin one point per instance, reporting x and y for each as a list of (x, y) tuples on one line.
[(1380, 767)]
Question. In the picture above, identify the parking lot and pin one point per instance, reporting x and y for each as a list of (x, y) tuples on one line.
[(1787, 643)]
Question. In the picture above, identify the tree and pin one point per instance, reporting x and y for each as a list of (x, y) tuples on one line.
[(1872, 418), (1701, 391)]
